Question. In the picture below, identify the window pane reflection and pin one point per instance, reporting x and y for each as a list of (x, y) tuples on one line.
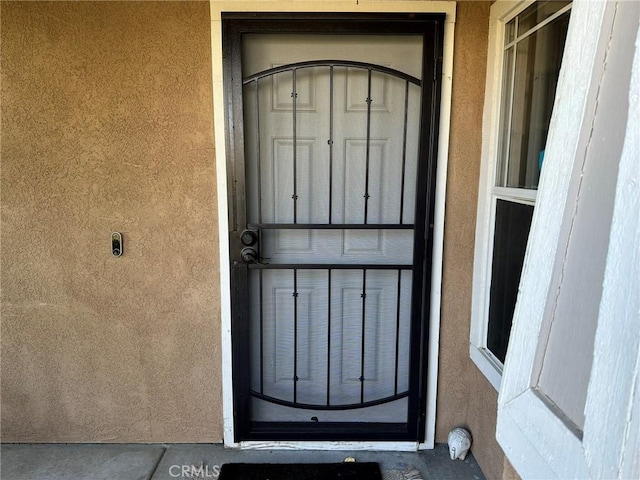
[(513, 221), (528, 104)]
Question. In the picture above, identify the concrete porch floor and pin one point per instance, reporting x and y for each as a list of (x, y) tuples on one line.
[(155, 462)]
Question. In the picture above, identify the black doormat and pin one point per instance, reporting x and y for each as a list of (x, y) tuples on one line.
[(300, 471)]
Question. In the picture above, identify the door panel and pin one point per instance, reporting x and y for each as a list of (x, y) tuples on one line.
[(329, 331), (325, 352), (338, 158)]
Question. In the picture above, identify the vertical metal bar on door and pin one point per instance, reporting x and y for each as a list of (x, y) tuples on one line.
[(362, 346), (294, 96), (366, 179), (328, 336), (261, 337), (404, 149), (295, 335), (395, 389), (330, 143), (258, 150)]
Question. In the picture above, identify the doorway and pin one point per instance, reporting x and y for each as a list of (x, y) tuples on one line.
[(333, 127)]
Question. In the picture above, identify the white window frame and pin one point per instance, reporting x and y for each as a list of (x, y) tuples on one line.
[(502, 12)]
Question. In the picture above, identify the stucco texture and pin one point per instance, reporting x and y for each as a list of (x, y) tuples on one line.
[(107, 126), (465, 397)]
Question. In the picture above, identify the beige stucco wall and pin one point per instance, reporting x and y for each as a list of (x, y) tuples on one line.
[(465, 397), (107, 126)]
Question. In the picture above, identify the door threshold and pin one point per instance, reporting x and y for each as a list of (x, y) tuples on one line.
[(329, 432), (326, 445)]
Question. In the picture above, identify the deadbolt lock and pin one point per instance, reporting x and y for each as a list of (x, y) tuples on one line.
[(249, 237)]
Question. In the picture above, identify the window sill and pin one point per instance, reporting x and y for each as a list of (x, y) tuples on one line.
[(487, 363)]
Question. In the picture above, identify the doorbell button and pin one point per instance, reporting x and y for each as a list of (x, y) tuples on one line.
[(116, 244)]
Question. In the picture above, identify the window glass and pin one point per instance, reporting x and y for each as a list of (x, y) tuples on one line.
[(513, 221), (510, 32), (538, 13), (532, 66)]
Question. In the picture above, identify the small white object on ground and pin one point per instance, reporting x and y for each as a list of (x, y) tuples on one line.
[(459, 441)]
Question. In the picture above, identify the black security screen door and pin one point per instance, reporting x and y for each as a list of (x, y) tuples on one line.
[(331, 130)]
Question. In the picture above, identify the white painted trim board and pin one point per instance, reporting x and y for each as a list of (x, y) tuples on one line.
[(532, 434)]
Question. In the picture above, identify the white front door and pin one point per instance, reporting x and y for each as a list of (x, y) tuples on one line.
[(332, 306), (331, 336)]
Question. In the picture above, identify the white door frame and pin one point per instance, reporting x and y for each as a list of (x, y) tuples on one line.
[(342, 6)]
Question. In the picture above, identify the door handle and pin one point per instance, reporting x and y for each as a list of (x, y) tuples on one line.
[(250, 253)]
